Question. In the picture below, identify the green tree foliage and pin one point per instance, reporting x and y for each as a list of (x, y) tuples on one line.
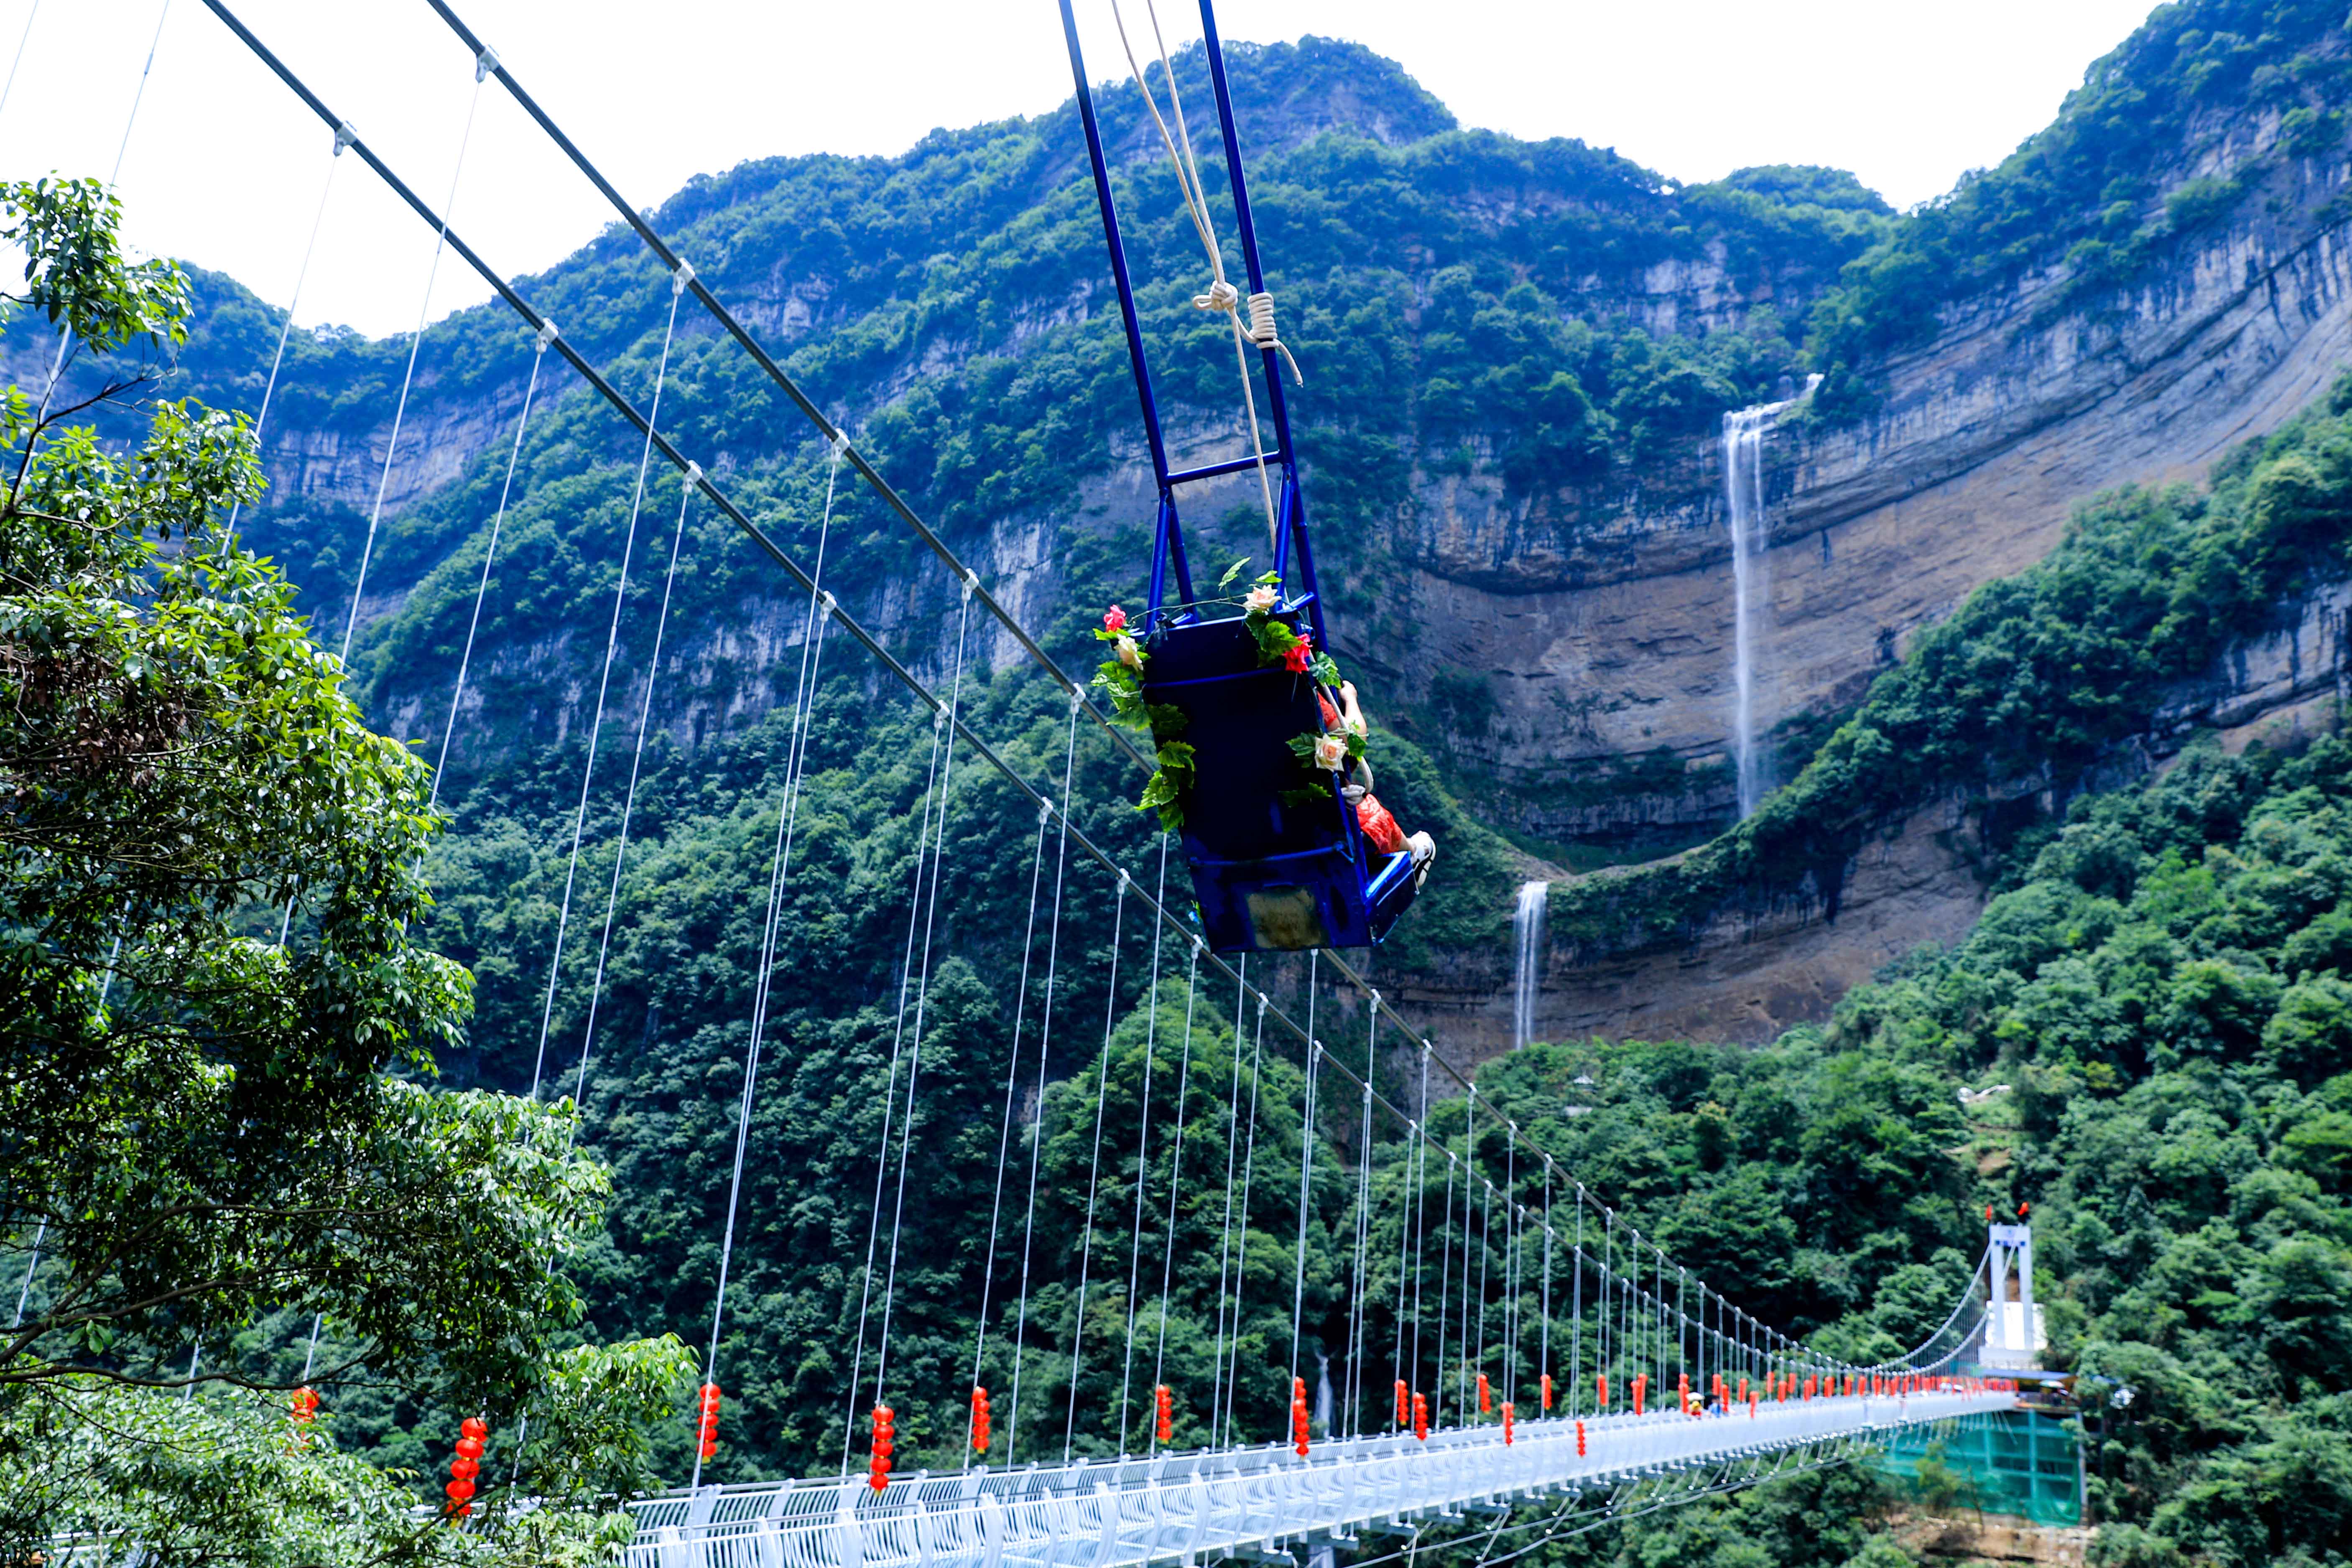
[(2181, 1068)]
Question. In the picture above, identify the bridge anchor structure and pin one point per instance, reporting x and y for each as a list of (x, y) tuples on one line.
[(1206, 1505)]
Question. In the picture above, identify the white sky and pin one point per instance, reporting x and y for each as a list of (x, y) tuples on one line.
[(224, 167)]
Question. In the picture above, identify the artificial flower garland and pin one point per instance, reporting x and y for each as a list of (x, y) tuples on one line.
[(1319, 752)]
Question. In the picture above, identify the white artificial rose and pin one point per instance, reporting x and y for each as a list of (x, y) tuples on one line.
[(1331, 751), (1261, 600), (1128, 654)]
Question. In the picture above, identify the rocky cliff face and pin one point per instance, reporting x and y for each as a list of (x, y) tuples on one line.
[(1603, 643), (1764, 963)]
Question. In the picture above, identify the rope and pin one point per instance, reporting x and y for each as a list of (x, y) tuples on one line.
[(1176, 1175), (122, 150), (1143, 1145), (40, 1234), (1363, 1238), (1544, 1355), (408, 375), (1306, 1194), (890, 1088), (1444, 1283), (1093, 1168), (1045, 1052), (23, 39), (1224, 1245), (820, 612), (1241, 1248), (489, 552), (604, 681), (922, 994), (628, 798), (1004, 1134), (1469, 1170), (1221, 295), (284, 332), (1576, 1315)]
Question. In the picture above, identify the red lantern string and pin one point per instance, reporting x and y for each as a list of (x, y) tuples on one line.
[(979, 1433), (1485, 1396), (1298, 1423), (1404, 1403), (1546, 1391), (1421, 1416), (877, 1469), (1641, 1387), (1579, 1439), (1508, 1412), (1166, 1398), (707, 1428), (473, 1435), (1601, 1381)]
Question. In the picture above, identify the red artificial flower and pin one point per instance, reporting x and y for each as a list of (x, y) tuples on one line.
[(1116, 621), (1298, 657)]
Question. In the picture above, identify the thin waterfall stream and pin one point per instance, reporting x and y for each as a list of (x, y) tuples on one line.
[(1751, 575), (1527, 947)]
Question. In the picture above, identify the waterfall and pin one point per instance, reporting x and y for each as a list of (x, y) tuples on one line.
[(1751, 583), (1527, 945), (1743, 497)]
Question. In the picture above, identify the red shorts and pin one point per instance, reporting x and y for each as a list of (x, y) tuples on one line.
[(1379, 827)]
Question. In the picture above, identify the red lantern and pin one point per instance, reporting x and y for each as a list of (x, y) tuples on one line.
[(1641, 1387), (1579, 1439), (1421, 1416), (1601, 1381), (1508, 1412), (1298, 1418), (1546, 1391), (1402, 1403), (1165, 1396), (1485, 1396), (980, 1429)]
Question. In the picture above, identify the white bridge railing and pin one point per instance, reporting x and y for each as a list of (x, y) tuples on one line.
[(1205, 1504)]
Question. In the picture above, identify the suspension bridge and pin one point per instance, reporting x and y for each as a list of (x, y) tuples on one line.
[(1584, 1376)]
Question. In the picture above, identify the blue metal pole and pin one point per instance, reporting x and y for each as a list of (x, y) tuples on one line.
[(1118, 250)]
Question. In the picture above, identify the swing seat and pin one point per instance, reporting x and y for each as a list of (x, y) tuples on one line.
[(1269, 875)]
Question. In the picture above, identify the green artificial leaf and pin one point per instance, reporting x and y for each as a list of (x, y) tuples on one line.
[(1232, 572)]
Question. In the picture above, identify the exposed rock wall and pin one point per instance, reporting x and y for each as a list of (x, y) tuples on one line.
[(1756, 969)]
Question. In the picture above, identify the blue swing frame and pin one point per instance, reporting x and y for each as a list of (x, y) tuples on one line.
[(1268, 872)]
